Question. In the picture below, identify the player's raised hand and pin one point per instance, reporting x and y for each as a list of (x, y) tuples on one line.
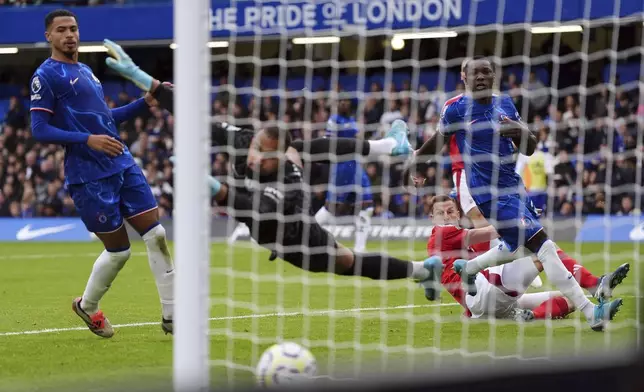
[(123, 64), (106, 144)]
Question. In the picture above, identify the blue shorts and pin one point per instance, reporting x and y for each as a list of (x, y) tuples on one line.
[(539, 199), (515, 222), (343, 181), (104, 203)]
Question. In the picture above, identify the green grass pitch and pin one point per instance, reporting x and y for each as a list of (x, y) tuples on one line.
[(351, 325)]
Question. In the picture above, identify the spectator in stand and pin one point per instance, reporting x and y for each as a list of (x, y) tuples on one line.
[(15, 116), (626, 206), (393, 113)]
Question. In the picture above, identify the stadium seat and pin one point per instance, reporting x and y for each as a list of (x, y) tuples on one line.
[(517, 70), (112, 89), (627, 73), (9, 90), (4, 107)]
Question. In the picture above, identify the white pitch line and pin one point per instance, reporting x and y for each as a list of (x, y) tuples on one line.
[(328, 312), (247, 316), (59, 256)]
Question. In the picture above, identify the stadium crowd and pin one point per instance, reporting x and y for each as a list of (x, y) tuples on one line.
[(575, 164)]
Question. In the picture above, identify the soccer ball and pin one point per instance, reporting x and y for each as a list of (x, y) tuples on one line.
[(285, 364)]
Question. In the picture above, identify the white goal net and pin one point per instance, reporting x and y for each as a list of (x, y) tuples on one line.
[(573, 69)]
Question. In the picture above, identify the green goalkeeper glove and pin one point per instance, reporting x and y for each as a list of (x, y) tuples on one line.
[(123, 64), (215, 185)]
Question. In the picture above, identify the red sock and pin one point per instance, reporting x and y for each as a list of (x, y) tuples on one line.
[(553, 308), (585, 279)]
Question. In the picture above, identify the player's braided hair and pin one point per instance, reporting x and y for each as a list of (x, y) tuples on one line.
[(49, 19)]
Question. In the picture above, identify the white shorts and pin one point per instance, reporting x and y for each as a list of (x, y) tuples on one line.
[(463, 192), (498, 294)]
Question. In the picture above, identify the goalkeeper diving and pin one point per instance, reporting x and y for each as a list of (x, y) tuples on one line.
[(267, 192)]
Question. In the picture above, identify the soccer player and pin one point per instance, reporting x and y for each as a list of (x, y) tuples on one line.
[(459, 177), (106, 185), (487, 129), (266, 190), (339, 199), (500, 290)]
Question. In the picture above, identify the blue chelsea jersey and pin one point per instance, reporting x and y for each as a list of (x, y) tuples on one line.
[(489, 158), (75, 99), (341, 126)]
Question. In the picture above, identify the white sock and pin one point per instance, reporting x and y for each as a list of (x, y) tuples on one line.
[(241, 230), (562, 279), (418, 270), (517, 275), (323, 216), (498, 255), (162, 268), (495, 242), (532, 300), (106, 267), (537, 282), (381, 147), (363, 227)]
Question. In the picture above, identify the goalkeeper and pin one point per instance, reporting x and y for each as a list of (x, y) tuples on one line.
[(266, 190)]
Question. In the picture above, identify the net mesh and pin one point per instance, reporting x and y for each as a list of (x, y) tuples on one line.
[(579, 91)]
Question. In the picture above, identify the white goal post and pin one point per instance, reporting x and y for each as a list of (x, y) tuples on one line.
[(192, 196)]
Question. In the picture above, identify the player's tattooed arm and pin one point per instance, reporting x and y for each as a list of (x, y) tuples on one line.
[(432, 147), (483, 234), (522, 137)]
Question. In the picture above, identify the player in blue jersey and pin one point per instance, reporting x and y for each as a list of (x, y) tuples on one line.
[(342, 198), (106, 185), (488, 130)]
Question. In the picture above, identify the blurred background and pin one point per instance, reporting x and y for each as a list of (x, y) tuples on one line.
[(580, 95)]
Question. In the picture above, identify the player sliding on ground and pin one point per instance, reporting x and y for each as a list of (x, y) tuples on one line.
[(105, 183), (487, 128), (501, 290), (266, 190)]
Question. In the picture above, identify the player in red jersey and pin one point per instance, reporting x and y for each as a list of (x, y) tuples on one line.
[(500, 290)]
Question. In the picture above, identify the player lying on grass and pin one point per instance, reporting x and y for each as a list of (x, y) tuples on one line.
[(488, 131), (266, 190), (501, 290), (103, 180)]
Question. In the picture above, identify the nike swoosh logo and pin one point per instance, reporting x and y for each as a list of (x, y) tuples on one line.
[(73, 82), (637, 234), (26, 233)]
